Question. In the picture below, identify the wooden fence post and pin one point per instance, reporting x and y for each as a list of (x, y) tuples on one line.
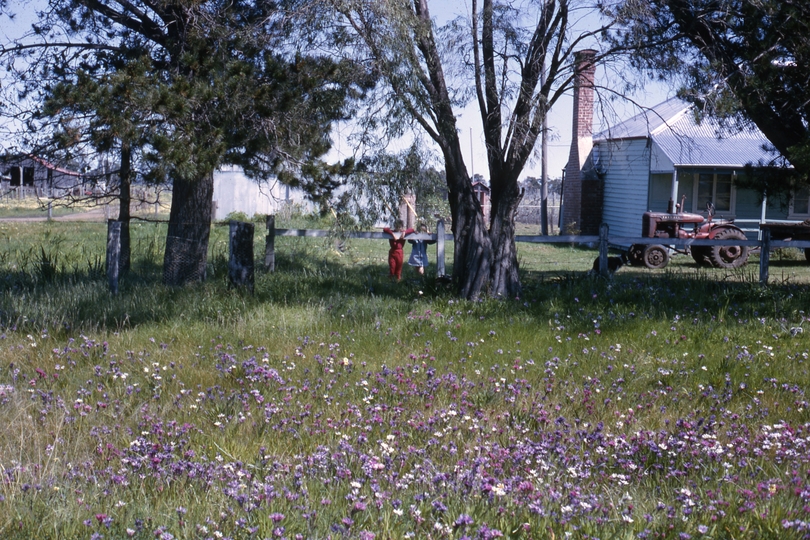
[(240, 262), (440, 249), (270, 244), (603, 250), (113, 253), (764, 255)]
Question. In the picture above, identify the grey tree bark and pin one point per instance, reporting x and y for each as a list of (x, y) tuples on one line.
[(124, 215)]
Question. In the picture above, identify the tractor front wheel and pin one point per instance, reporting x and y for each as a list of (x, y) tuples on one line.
[(655, 257), (729, 256), (701, 255)]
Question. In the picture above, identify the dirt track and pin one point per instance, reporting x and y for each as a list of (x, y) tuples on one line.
[(96, 214)]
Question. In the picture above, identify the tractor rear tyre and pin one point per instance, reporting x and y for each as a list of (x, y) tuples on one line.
[(729, 256), (635, 255), (701, 255), (807, 254), (655, 257)]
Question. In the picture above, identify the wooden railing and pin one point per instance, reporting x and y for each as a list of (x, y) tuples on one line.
[(603, 241)]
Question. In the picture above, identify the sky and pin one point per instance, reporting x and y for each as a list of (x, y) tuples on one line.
[(469, 124)]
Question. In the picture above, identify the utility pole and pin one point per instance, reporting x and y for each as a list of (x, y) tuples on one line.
[(544, 168), (472, 158)]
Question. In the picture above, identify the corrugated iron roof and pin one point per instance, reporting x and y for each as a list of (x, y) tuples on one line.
[(643, 124), (674, 128), (49, 165)]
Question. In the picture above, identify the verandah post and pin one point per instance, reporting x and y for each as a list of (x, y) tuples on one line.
[(764, 255)]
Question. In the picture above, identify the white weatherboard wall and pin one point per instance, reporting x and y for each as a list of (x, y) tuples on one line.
[(626, 166), (235, 192)]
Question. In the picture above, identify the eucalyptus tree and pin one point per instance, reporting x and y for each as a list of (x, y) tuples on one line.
[(515, 60), (222, 85), (378, 182)]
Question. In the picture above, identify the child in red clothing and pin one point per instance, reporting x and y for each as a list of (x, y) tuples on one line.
[(395, 255)]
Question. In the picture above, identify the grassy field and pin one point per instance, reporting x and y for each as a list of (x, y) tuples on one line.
[(35, 208), (334, 403)]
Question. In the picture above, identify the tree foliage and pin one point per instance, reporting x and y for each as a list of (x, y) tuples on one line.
[(732, 57), (218, 83), (379, 181)]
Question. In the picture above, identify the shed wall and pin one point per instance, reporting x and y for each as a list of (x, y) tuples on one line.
[(626, 166), (235, 192)]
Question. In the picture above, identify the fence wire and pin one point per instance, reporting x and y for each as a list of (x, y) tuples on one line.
[(182, 262)]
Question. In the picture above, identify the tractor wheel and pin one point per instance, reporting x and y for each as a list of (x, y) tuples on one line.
[(729, 256), (807, 254), (701, 255), (655, 257), (635, 255)]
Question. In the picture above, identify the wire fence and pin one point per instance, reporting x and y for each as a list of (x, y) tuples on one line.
[(94, 251), (183, 261)]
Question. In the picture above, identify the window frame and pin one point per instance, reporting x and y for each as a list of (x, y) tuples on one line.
[(694, 205), (792, 214)]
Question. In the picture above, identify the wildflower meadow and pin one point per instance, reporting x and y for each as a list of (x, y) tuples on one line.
[(334, 403)]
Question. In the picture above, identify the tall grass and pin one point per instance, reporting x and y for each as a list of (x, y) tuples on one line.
[(333, 402)]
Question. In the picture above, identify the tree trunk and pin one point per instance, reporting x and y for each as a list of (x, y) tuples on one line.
[(472, 258), (505, 198), (124, 199), (189, 229)]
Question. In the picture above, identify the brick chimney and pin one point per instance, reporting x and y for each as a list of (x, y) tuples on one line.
[(581, 144)]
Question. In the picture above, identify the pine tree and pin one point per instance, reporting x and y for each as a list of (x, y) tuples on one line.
[(221, 84)]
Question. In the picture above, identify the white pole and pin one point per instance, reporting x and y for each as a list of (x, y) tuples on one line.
[(764, 210)]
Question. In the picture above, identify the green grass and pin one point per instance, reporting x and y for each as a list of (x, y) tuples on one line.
[(37, 208), (32, 207), (603, 398)]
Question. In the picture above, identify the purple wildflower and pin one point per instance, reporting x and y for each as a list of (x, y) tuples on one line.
[(463, 520)]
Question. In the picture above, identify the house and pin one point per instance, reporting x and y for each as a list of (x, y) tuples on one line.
[(658, 156)]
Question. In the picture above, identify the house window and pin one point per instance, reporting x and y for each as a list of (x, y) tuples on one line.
[(800, 204), (714, 188), (722, 192), (717, 188)]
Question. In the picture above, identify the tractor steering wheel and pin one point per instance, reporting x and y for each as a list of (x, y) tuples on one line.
[(710, 208)]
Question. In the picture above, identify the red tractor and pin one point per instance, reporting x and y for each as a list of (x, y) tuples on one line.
[(683, 225)]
